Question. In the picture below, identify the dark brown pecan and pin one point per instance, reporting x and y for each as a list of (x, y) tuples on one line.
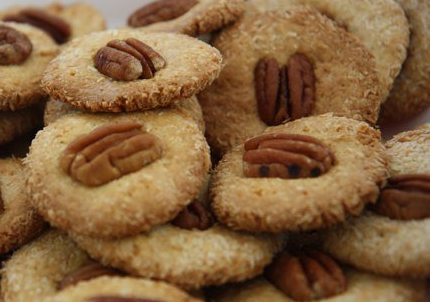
[(195, 216), (89, 271), (119, 299), (159, 11), (286, 156), (313, 275), (286, 92), (56, 27), (128, 60), (110, 152), (406, 197), (15, 47)]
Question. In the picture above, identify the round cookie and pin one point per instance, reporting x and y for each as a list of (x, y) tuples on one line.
[(14, 124), (123, 287), (20, 84), (381, 25), (382, 245), (19, 223), (361, 287), (346, 81), (81, 17), (281, 205), (204, 17), (190, 259), (411, 90), (132, 203), (191, 65)]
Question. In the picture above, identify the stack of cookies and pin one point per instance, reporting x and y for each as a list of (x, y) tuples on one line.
[(247, 169)]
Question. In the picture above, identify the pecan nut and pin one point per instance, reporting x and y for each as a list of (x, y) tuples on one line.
[(15, 47), (284, 93), (159, 11), (195, 216), (54, 26), (119, 299), (286, 156), (110, 152), (313, 275), (406, 197), (90, 271), (128, 60)]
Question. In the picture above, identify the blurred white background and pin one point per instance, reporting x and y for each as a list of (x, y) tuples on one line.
[(117, 12)]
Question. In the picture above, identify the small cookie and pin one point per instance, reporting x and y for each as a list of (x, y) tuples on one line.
[(17, 123), (306, 174), (385, 33), (327, 70), (190, 259), (411, 90), (361, 287), (21, 69), (149, 177), (394, 246), (19, 223), (75, 20), (189, 17), (186, 67)]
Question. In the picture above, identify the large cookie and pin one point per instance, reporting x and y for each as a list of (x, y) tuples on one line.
[(80, 19), (385, 31), (19, 222), (332, 167), (20, 79), (329, 71), (191, 258), (190, 17), (411, 90), (149, 177), (189, 66), (387, 245)]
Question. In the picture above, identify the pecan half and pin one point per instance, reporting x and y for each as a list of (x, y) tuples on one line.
[(110, 152), (128, 60), (406, 197), (119, 299), (54, 26), (159, 11), (15, 47), (286, 156), (286, 92), (313, 275), (195, 216), (90, 271)]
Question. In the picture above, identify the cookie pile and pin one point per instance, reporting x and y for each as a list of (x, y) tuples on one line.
[(245, 169)]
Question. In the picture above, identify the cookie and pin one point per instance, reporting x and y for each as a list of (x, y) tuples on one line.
[(73, 77), (21, 69), (385, 33), (17, 123), (191, 258), (411, 90), (19, 223), (390, 245), (361, 287), (62, 23), (53, 267), (190, 17), (317, 54), (302, 175), (149, 178)]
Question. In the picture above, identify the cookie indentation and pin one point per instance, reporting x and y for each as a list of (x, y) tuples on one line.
[(110, 152), (15, 47), (54, 26), (286, 156), (159, 11)]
